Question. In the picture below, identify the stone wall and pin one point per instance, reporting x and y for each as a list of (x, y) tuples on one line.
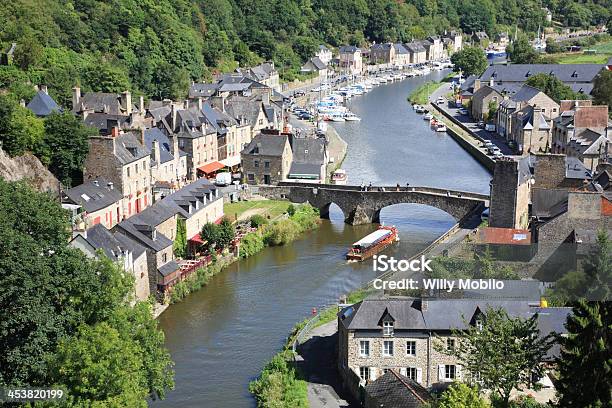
[(142, 288)]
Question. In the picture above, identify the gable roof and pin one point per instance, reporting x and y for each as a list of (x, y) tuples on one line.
[(128, 148), (397, 390), (309, 150), (94, 195), (112, 244), (267, 145), (349, 49), (43, 105), (415, 47), (151, 135), (203, 90), (567, 73)]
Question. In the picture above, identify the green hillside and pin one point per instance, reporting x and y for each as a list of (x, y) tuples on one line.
[(158, 46)]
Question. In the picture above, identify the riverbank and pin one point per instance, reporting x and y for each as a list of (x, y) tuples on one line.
[(421, 94)]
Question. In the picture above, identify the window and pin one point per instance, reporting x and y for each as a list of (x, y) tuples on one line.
[(479, 324), (128, 171), (267, 164), (181, 143), (411, 348), (450, 344), (388, 348), (385, 370), (364, 373), (164, 258), (256, 163), (136, 168), (251, 177), (387, 328), (364, 348), (411, 372), (450, 372)]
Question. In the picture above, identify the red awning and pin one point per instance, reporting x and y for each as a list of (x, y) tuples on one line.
[(211, 167), (197, 239)]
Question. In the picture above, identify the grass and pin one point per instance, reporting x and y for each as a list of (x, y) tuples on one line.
[(267, 208), (603, 51), (329, 313), (421, 94)]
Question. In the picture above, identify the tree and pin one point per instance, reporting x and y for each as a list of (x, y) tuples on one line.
[(65, 147), (210, 235), (470, 60), (226, 233), (553, 87), (521, 51), (599, 270), (504, 353), (585, 369), (28, 53), (180, 243), (602, 89), (477, 15), (20, 129), (459, 395)]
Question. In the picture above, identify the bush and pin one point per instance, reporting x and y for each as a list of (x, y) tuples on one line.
[(281, 232), (258, 221), (251, 244), (460, 395), (291, 210), (278, 385)]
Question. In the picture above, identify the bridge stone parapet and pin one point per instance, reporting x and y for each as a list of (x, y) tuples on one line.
[(362, 207)]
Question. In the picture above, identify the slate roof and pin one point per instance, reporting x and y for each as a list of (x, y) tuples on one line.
[(400, 49), (203, 90), (239, 106), (548, 203), (94, 197), (43, 105), (415, 47), (101, 102), (317, 63), (525, 93), (349, 49), (216, 118), (165, 153), (100, 120), (309, 150), (136, 227), (310, 169), (396, 390), (567, 73), (529, 118), (112, 244), (197, 190), (267, 145), (168, 268), (323, 48), (438, 315), (128, 148)]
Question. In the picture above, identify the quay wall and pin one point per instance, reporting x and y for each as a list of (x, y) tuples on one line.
[(475, 151)]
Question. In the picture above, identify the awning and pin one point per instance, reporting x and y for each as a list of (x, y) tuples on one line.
[(231, 161), (197, 239), (211, 167)]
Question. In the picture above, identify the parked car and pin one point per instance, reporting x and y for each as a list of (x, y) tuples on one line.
[(463, 111), (490, 127), (223, 179), (481, 124), (498, 155), (305, 116), (440, 101)]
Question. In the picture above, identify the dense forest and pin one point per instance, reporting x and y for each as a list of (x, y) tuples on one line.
[(158, 47)]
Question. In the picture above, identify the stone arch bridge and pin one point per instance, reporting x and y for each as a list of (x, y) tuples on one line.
[(363, 207)]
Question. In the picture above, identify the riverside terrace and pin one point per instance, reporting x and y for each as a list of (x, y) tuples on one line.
[(363, 205)]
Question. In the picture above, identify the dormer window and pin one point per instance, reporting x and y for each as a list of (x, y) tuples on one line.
[(387, 328), (479, 325)]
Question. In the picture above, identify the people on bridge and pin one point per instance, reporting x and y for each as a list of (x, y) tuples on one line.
[(398, 187), (362, 186)]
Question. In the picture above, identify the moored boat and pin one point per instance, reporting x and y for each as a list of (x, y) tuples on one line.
[(427, 116), (440, 127), (351, 117), (339, 177), (372, 243)]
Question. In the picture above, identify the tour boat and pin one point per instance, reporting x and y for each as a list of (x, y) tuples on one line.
[(351, 117), (339, 177), (372, 243), (337, 117)]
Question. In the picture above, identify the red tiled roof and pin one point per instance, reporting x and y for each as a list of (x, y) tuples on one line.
[(508, 236)]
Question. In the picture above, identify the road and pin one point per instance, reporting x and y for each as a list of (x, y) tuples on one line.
[(450, 108)]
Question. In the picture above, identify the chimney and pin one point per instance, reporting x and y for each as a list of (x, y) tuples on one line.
[(76, 98), (186, 104), (265, 98), (96, 183), (173, 113), (142, 136), (476, 84), (200, 104), (141, 104), (156, 152), (126, 102), (175, 145), (491, 81), (166, 102), (223, 104), (44, 89), (114, 131)]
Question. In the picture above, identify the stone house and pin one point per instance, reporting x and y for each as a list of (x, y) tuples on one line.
[(119, 248), (482, 98), (393, 389), (350, 60), (324, 54), (435, 48), (266, 74), (100, 202), (267, 159), (531, 130), (122, 159), (402, 55), (168, 163), (315, 64), (97, 109), (408, 335), (457, 41), (581, 130), (510, 194), (525, 96), (309, 161), (418, 53), (231, 134), (382, 53)]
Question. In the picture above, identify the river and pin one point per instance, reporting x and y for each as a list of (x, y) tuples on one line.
[(221, 336)]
